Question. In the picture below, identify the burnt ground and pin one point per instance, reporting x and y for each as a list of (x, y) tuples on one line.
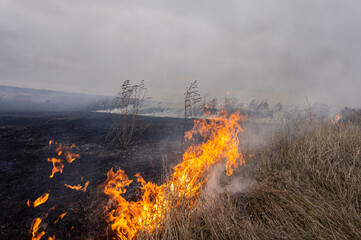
[(24, 170)]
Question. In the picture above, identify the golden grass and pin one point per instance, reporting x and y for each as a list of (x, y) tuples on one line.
[(307, 185)]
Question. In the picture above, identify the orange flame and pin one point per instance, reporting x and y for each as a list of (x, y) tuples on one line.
[(60, 217), (338, 117), (78, 187), (65, 150), (42, 199), (70, 156), (35, 228), (127, 219), (57, 166)]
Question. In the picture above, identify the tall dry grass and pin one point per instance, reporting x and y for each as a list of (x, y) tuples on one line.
[(307, 185)]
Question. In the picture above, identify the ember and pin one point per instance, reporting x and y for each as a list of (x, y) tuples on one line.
[(58, 165), (42, 199), (60, 217), (78, 187), (35, 228)]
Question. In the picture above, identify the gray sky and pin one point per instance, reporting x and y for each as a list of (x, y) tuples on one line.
[(282, 50)]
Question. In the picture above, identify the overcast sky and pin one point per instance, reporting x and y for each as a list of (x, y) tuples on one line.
[(282, 50)]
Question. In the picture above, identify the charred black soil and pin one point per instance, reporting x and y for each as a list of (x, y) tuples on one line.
[(24, 170)]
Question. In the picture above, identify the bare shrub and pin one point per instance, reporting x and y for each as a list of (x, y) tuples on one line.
[(191, 100), (128, 102)]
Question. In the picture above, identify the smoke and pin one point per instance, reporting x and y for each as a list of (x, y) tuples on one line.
[(281, 50), (219, 182)]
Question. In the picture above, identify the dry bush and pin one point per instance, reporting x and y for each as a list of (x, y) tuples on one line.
[(191, 100), (307, 186), (128, 101)]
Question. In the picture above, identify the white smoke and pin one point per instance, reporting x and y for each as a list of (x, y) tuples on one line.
[(219, 183)]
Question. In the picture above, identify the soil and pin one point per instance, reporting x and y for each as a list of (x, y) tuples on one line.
[(25, 171)]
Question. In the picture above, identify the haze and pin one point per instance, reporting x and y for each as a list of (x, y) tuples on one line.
[(281, 50)]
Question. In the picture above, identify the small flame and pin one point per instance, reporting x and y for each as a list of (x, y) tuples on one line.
[(42, 199), (78, 187), (60, 217), (35, 228), (338, 117), (57, 166), (66, 149)]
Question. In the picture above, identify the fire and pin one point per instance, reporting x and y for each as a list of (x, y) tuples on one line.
[(337, 118), (42, 199), (57, 166), (60, 217), (127, 219), (78, 187), (35, 228), (65, 150)]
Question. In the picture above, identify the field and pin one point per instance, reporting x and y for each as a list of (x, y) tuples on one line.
[(301, 179)]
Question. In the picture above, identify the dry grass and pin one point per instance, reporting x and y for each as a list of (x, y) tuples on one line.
[(307, 186)]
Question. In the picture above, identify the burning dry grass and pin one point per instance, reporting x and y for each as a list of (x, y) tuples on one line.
[(181, 190), (307, 180)]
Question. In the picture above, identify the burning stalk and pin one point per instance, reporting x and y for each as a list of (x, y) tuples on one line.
[(42, 199), (78, 187), (35, 228)]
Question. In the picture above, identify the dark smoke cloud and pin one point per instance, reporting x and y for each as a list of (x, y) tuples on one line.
[(281, 50)]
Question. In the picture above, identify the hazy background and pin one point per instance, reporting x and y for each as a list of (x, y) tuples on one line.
[(282, 50)]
